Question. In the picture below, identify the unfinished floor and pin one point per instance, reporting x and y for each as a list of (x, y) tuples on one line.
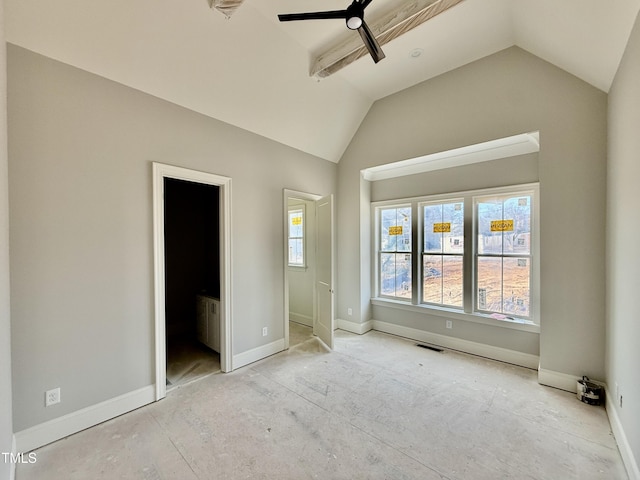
[(189, 360), (377, 407)]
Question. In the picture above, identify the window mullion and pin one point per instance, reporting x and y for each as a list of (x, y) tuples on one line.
[(469, 260), (502, 265), (416, 258)]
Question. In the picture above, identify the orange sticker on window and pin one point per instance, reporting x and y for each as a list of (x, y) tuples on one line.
[(296, 221), (444, 227), (502, 225), (395, 230)]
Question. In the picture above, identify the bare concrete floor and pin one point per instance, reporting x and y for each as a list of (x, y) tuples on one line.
[(377, 407), (189, 360)]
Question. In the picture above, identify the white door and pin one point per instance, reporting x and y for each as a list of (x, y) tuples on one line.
[(324, 320)]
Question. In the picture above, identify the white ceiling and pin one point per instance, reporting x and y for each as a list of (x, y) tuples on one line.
[(252, 71)]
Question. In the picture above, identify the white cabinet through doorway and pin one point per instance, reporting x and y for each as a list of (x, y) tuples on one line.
[(208, 322)]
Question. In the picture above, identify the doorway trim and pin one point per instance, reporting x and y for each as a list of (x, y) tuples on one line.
[(160, 172), (286, 196)]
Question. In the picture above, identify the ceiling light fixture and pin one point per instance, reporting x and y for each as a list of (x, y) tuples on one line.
[(354, 23), (355, 14)]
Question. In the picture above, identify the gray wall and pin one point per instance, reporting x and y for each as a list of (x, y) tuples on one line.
[(81, 149), (6, 425), (508, 93), (623, 232), (495, 173)]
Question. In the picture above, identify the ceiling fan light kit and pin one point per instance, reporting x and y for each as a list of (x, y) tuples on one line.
[(354, 23), (355, 15)]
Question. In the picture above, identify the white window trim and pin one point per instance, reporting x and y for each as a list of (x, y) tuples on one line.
[(420, 246), (378, 252), (467, 313)]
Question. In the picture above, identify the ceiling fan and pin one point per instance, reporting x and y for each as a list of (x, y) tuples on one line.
[(354, 16)]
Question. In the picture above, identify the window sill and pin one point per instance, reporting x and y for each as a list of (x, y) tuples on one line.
[(522, 325), (297, 268)]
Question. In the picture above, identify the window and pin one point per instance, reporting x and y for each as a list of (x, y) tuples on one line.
[(443, 253), (296, 237), (467, 253), (395, 252), (503, 259)]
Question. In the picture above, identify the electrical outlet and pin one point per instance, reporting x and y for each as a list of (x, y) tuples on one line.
[(349, 311), (265, 331), (449, 323), (51, 397)]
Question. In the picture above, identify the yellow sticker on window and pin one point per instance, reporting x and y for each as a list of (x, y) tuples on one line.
[(502, 225), (395, 230), (296, 221), (444, 227)]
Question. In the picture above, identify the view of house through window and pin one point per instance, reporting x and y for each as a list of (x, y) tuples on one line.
[(296, 237), (481, 239), (443, 253), (504, 254), (395, 252)]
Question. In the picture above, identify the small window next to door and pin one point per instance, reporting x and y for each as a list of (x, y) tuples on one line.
[(297, 253)]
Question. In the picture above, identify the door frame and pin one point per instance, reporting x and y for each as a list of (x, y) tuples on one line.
[(160, 172), (299, 196)]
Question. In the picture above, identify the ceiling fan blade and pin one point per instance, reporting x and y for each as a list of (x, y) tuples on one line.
[(371, 43), (365, 3), (289, 17)]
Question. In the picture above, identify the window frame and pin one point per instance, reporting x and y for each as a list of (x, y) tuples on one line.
[(503, 255), (468, 312), (380, 252), (297, 208), (423, 252)]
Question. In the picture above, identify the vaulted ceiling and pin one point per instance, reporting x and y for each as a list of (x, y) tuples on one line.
[(248, 69)]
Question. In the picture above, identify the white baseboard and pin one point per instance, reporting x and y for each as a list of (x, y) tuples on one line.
[(302, 319), (559, 380), (47, 432), (354, 327), (258, 353), (12, 466), (626, 452), (488, 351)]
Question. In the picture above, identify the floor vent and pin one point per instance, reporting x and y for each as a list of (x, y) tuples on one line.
[(429, 347)]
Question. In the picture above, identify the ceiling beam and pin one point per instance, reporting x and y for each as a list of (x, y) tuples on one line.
[(225, 6), (406, 17)]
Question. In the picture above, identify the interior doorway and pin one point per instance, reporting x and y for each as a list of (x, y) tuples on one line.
[(308, 265), (192, 274), (192, 280)]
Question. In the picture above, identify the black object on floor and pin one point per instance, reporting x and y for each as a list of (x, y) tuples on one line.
[(429, 347)]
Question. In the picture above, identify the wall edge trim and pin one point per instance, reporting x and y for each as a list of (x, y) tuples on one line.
[(354, 327), (626, 452), (258, 353), (14, 451), (562, 381), (301, 319), (488, 351), (74, 422)]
